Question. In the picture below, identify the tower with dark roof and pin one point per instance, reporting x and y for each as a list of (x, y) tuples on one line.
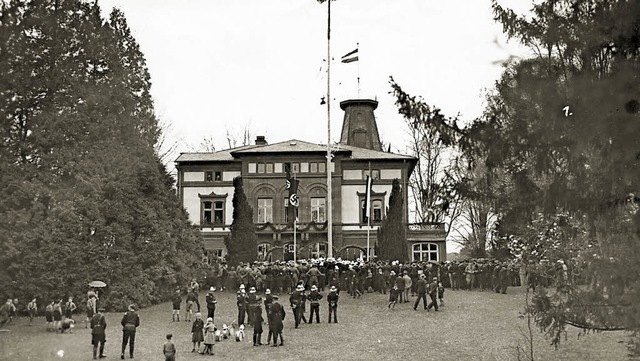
[(359, 127)]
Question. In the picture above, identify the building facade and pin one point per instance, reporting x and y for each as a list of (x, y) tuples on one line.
[(205, 188)]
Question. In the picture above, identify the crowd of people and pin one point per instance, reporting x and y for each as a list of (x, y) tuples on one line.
[(257, 288)]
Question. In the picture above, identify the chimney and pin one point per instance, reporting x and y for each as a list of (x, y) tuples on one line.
[(261, 140)]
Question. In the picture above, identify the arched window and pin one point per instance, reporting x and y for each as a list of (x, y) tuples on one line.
[(425, 252)]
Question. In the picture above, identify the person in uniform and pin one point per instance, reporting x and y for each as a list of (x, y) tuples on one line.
[(32, 309), (268, 301), (130, 322), (252, 304), (295, 301), (69, 308), (98, 335), (241, 302), (332, 300), (257, 326), (314, 297), (210, 298), (276, 316), (48, 315)]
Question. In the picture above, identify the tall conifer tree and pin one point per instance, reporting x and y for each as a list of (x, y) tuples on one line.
[(392, 234), (242, 244)]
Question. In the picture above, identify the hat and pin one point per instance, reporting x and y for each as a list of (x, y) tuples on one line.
[(267, 292), (314, 288), (242, 286), (132, 307), (212, 288), (300, 288), (252, 290), (435, 278), (209, 319), (333, 289)]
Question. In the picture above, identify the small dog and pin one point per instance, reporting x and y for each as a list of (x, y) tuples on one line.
[(67, 325), (240, 334), (225, 331), (231, 330), (217, 335)]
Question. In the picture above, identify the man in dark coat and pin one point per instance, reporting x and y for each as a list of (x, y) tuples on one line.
[(314, 297), (98, 335), (276, 315), (210, 298), (421, 290), (296, 304), (332, 300), (432, 289), (130, 322)]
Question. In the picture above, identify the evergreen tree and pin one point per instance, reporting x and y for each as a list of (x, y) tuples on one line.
[(242, 244), (392, 233), (86, 194)]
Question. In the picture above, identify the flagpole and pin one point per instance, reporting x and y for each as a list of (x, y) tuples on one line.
[(358, 49), (369, 215), (329, 189), (295, 248)]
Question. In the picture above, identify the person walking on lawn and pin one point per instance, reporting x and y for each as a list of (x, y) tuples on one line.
[(421, 290), (433, 293), (98, 335), (130, 322)]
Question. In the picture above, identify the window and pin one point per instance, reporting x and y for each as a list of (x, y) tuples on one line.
[(218, 176), (322, 167), (318, 210), (265, 210), (375, 174), (252, 168), (261, 167), (286, 211), (263, 251), (208, 176), (376, 211), (212, 208), (313, 167), (304, 167), (295, 167), (425, 252), (213, 255), (218, 212), (207, 212), (269, 167), (277, 168)]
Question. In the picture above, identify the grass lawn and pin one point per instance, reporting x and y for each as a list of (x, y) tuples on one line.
[(473, 326)]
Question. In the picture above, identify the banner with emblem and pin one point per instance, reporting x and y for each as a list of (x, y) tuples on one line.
[(293, 202)]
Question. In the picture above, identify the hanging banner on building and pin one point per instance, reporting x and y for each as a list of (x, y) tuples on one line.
[(366, 207), (292, 186)]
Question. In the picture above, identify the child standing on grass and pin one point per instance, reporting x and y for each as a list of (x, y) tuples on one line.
[(169, 349), (209, 337), (32, 309), (48, 315), (441, 294), (393, 296), (196, 332), (177, 300)]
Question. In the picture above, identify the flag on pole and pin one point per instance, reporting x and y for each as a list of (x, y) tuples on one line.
[(350, 56), (292, 186), (366, 209)]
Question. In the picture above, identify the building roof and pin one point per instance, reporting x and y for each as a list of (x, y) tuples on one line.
[(288, 146), (291, 146)]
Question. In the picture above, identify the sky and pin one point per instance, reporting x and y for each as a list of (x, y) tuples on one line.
[(219, 66)]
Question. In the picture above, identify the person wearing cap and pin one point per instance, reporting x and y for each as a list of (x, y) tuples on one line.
[(252, 304), (432, 290), (241, 302), (421, 290), (276, 316), (268, 301), (210, 298), (296, 304), (314, 297), (98, 336), (130, 322), (332, 300)]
